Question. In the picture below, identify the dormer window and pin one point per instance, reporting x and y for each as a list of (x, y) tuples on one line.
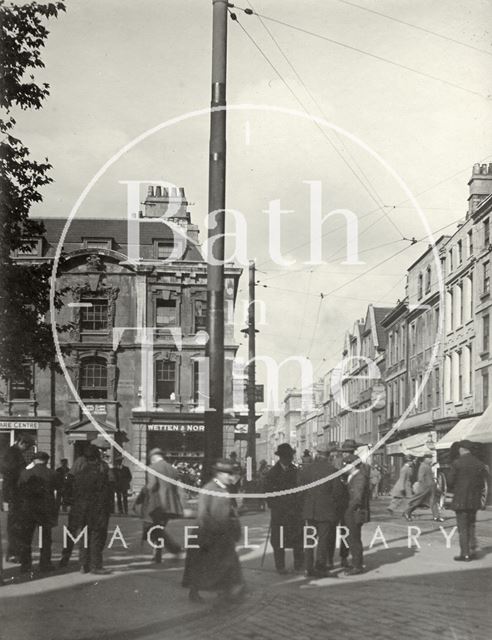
[(97, 243), (164, 249)]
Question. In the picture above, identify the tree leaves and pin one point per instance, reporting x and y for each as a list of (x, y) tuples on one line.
[(24, 285)]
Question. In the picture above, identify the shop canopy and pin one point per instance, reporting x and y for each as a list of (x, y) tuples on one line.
[(476, 429), (86, 426), (415, 445)]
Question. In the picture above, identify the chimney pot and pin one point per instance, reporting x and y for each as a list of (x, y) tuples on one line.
[(165, 193), (476, 168), (182, 192), (173, 192), (150, 192), (484, 168), (157, 192), (490, 167)]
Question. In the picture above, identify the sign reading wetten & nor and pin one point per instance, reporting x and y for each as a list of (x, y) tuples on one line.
[(185, 428)]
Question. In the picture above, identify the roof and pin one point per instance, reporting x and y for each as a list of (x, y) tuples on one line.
[(379, 314), (114, 228)]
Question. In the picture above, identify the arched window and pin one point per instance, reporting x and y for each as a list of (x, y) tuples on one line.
[(93, 379)]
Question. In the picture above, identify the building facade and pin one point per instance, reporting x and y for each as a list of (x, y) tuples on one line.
[(135, 352)]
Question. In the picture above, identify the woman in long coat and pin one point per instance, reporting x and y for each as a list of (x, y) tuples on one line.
[(402, 490), (215, 566), (427, 492)]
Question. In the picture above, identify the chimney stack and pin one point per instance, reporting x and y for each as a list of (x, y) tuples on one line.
[(480, 185)]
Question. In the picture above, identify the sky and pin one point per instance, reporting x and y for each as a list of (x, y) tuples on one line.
[(118, 68)]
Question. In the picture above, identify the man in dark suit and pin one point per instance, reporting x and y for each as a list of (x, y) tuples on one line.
[(357, 511), (12, 465), (323, 508), (37, 508), (286, 510), (466, 478)]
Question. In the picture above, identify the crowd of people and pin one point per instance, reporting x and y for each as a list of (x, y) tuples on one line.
[(303, 505)]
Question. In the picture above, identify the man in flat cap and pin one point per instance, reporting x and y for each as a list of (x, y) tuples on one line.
[(466, 478), (38, 508), (286, 510), (165, 502), (13, 463)]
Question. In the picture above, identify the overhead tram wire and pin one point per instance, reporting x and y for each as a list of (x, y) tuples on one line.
[(415, 26), (369, 188), (373, 193), (320, 36), (368, 213)]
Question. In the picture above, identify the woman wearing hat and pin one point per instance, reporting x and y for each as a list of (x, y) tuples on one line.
[(215, 566)]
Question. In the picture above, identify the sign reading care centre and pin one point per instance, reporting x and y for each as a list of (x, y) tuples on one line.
[(10, 424), (184, 428)]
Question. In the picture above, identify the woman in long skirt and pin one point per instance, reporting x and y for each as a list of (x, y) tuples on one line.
[(214, 565)]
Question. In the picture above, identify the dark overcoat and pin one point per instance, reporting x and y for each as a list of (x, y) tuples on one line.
[(92, 495), (215, 565), (466, 478), (12, 465), (325, 502), (165, 499), (358, 499), (37, 495), (286, 510)]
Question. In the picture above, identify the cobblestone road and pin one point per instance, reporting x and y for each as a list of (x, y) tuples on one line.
[(405, 593)]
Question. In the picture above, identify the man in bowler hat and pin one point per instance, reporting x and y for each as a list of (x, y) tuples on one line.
[(286, 510), (466, 478)]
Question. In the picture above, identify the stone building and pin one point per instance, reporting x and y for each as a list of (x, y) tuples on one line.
[(135, 353)]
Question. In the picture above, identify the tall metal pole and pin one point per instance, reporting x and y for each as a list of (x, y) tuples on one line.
[(216, 209), (251, 369)]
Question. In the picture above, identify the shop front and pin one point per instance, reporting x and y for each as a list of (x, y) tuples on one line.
[(39, 428)]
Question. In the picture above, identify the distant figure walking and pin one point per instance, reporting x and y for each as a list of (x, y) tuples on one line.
[(122, 478), (466, 477), (214, 565), (403, 488), (427, 492)]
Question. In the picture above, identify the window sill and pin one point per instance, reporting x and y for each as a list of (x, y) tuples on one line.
[(484, 355), (484, 295)]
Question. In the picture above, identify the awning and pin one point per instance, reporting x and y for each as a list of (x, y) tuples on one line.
[(415, 445), (476, 429)]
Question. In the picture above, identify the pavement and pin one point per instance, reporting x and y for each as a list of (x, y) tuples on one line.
[(406, 591)]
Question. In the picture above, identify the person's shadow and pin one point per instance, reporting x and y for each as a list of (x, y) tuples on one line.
[(384, 557)]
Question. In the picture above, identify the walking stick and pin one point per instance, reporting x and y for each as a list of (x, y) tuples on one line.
[(266, 544)]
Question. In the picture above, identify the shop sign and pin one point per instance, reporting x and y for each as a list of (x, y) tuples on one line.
[(96, 409), (183, 428), (11, 424)]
